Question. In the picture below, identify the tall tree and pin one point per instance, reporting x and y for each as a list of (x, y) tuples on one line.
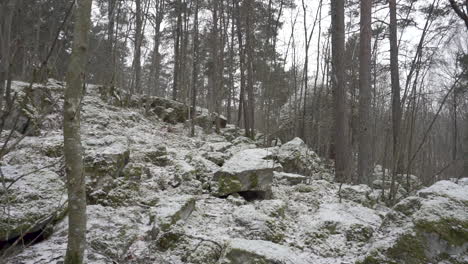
[(194, 68), (177, 49), (7, 10), (365, 147), (72, 139), (138, 41), (341, 144), (395, 82)]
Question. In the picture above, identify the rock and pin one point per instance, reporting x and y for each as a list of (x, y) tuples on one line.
[(242, 251), (171, 210), (106, 157), (296, 157), (289, 178), (207, 120), (157, 156), (429, 228), (217, 157), (357, 193), (248, 170), (206, 252), (35, 201), (257, 225)]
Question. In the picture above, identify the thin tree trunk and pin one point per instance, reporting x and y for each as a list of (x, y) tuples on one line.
[(138, 40), (72, 139), (175, 84), (195, 69)]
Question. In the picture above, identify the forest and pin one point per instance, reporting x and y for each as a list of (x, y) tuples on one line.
[(234, 131)]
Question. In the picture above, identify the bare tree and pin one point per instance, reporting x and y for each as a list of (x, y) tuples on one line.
[(72, 138), (339, 93), (395, 81), (365, 147)]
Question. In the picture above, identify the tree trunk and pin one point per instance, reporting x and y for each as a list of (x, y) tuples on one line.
[(341, 145), (175, 84), (365, 147), (138, 40), (194, 69), (8, 10), (395, 80), (250, 73), (72, 139)]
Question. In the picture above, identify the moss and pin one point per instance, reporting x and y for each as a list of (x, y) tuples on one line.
[(229, 184), (253, 180), (409, 249), (370, 260), (168, 240), (452, 230)]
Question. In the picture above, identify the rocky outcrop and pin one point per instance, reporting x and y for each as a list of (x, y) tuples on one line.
[(431, 227), (248, 170), (33, 201)]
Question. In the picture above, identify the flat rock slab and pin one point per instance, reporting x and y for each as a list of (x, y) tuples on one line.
[(242, 251), (248, 170)]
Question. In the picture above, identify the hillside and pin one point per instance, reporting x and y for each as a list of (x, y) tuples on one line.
[(156, 195)]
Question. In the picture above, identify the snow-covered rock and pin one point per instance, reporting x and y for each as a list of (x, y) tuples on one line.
[(33, 200), (289, 178), (248, 170), (296, 157), (429, 228), (242, 251)]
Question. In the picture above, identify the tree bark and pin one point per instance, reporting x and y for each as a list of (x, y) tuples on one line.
[(8, 10), (138, 40), (194, 69), (178, 33), (365, 147), (339, 93), (72, 139), (395, 82)]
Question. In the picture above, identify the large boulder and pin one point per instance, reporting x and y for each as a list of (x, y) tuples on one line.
[(248, 170), (431, 227), (34, 199), (296, 157)]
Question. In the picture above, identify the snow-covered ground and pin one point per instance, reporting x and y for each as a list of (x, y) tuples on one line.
[(153, 195)]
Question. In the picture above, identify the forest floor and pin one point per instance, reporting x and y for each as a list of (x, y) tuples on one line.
[(153, 196)]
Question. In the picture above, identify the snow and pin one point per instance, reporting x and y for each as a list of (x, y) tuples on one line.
[(305, 223)]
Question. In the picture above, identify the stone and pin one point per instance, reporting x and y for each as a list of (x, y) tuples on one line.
[(242, 251), (248, 170), (288, 178), (171, 210), (296, 157), (35, 201)]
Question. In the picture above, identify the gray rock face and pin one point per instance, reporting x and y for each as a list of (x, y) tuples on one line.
[(248, 170)]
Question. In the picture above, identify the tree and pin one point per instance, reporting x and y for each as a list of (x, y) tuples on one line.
[(365, 147), (7, 10), (395, 82), (341, 150), (194, 68), (72, 139)]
